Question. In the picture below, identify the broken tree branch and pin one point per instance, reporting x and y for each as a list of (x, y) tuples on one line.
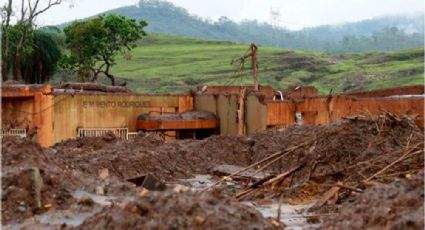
[(404, 156), (277, 154), (267, 181), (283, 175)]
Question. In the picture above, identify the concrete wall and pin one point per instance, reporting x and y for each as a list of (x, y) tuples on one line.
[(28, 107), (226, 108), (57, 116), (256, 115), (109, 111), (54, 117), (314, 111), (280, 113), (17, 112), (300, 92), (223, 106), (323, 110), (414, 106), (405, 90), (266, 90)]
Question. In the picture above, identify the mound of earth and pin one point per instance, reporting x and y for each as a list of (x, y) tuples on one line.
[(171, 210), (32, 182), (86, 144), (398, 205), (167, 161), (347, 156)]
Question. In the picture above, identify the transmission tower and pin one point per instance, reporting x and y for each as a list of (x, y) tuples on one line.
[(274, 22)]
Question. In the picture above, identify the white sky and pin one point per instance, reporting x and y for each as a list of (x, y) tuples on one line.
[(294, 14)]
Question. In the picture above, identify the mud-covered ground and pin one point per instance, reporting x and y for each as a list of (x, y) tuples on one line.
[(82, 183), (181, 211), (398, 205)]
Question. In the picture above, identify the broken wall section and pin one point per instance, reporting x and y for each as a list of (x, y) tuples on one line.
[(225, 107), (323, 110), (28, 107)]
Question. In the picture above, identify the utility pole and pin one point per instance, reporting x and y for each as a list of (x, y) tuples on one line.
[(243, 94), (254, 63)]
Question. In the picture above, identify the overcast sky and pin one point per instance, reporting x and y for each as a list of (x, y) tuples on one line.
[(294, 14)]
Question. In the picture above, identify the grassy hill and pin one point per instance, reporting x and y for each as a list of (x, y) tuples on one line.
[(167, 64), (386, 33)]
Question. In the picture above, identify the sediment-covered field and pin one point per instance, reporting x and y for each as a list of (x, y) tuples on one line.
[(357, 173)]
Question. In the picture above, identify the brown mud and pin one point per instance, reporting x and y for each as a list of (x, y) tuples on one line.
[(21, 162), (364, 155), (148, 154), (398, 205), (171, 210)]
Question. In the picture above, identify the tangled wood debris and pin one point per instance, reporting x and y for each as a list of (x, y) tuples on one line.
[(343, 157)]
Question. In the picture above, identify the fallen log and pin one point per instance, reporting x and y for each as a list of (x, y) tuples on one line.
[(93, 87), (283, 175)]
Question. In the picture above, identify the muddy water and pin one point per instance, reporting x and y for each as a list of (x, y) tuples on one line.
[(70, 218), (293, 216), (73, 217), (53, 219), (199, 182)]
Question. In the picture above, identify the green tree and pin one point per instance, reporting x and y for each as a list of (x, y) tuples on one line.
[(6, 13), (46, 53), (17, 39), (40, 53), (95, 43)]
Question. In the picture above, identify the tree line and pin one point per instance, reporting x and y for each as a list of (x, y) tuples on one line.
[(86, 48), (377, 34)]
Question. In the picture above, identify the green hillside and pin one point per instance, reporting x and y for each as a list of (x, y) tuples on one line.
[(385, 33), (169, 64)]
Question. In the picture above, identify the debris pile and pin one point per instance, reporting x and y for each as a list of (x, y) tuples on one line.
[(341, 159), (337, 170)]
